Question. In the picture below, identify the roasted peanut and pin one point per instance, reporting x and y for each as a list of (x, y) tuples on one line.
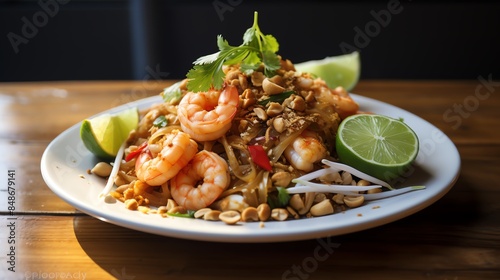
[(354, 201), (363, 183), (279, 214), (102, 169), (271, 87), (212, 215), (279, 124), (323, 208), (143, 209), (232, 74), (304, 83), (250, 214), (374, 191), (319, 197), (119, 181), (263, 211), (333, 177), (257, 78), (171, 204), (201, 212), (162, 210), (346, 178), (243, 81), (297, 104), (287, 65), (281, 178), (177, 209), (308, 202), (131, 204), (230, 217), (248, 98), (274, 109), (260, 113), (297, 203), (338, 198)]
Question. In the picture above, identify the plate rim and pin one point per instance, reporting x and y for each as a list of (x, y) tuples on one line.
[(252, 236)]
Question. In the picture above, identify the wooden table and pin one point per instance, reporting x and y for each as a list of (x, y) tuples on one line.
[(458, 237)]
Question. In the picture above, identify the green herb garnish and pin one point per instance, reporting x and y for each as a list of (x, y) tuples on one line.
[(279, 201), (161, 121), (257, 49), (172, 94), (189, 214), (279, 98)]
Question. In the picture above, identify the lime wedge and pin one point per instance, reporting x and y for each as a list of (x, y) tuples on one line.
[(104, 134), (341, 70), (380, 146)]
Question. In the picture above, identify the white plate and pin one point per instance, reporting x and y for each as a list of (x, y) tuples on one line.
[(65, 161)]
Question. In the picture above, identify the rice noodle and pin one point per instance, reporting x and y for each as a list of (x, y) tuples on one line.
[(235, 165), (161, 132), (287, 140)]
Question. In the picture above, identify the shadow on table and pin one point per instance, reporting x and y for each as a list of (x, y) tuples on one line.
[(129, 254)]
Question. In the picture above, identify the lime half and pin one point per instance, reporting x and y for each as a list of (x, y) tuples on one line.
[(377, 145), (104, 134), (341, 70)]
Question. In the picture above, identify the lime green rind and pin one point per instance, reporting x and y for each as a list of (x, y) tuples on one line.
[(90, 143), (104, 134), (385, 160), (342, 70)]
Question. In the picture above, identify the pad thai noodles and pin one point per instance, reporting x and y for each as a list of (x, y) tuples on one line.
[(237, 150)]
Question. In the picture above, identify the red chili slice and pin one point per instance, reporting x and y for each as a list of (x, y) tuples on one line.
[(259, 156), (135, 153)]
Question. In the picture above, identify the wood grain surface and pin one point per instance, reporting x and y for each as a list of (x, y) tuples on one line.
[(458, 237)]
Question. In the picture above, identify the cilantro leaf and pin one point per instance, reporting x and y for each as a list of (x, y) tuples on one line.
[(257, 49)]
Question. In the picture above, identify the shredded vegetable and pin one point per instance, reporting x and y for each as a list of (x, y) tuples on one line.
[(114, 171), (355, 172)]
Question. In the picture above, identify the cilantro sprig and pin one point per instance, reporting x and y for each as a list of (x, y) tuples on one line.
[(257, 49)]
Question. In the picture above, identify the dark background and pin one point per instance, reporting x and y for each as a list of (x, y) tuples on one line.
[(97, 40)]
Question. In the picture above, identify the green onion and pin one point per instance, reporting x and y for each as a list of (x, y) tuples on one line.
[(189, 214), (279, 98), (161, 121), (306, 186)]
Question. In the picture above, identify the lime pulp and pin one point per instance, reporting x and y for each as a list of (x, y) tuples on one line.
[(380, 146)]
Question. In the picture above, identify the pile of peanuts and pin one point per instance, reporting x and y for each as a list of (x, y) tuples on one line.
[(299, 206)]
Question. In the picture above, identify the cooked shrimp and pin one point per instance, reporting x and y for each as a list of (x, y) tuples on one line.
[(338, 97), (200, 183), (206, 116), (304, 151), (175, 150)]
